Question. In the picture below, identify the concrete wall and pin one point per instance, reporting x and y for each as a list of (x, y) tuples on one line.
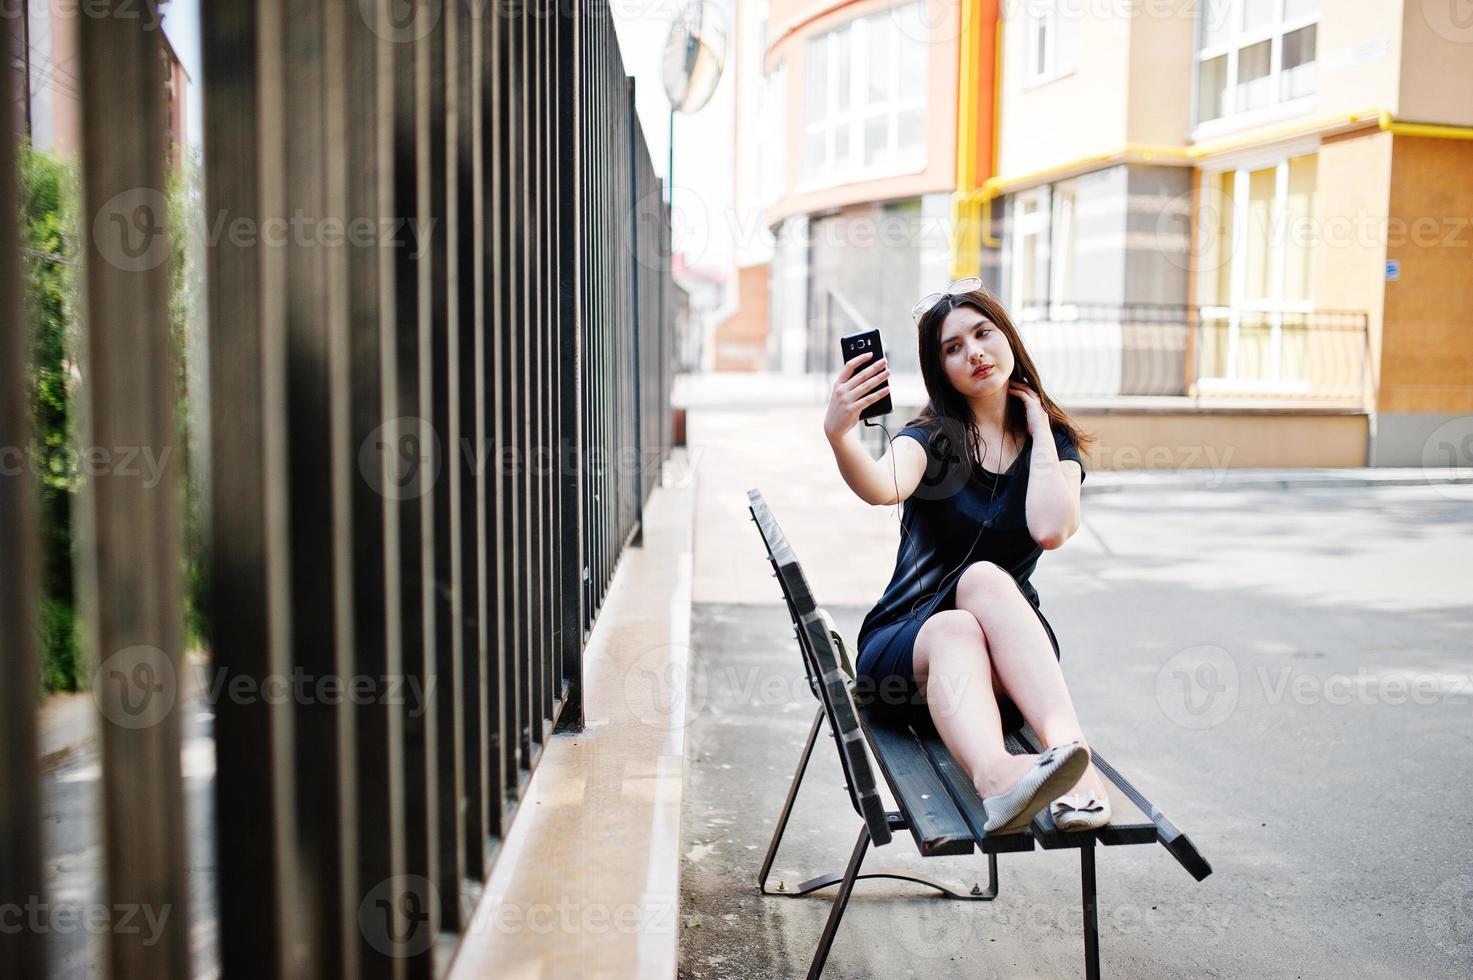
[(1231, 440), (1163, 53), (741, 340), (1427, 337), (1358, 50), (1437, 64), (1088, 104), (1351, 206)]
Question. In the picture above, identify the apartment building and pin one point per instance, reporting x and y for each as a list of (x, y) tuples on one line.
[(42, 47), (1243, 224), (850, 123)]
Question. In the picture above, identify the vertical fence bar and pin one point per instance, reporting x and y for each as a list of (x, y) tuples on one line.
[(444, 346), (470, 240), (570, 69), (366, 149), (130, 576), (493, 136), (536, 327), (633, 244), (22, 954), (254, 793), (314, 392)]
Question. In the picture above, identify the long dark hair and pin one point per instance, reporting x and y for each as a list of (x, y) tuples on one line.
[(949, 407)]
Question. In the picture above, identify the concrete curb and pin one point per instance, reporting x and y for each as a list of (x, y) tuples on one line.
[(1248, 479)]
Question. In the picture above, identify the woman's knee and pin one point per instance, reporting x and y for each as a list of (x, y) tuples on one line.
[(982, 580), (946, 632)]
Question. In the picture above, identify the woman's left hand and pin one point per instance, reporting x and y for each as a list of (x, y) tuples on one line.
[(1038, 420)]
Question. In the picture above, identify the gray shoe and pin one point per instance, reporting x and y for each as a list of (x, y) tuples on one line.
[(1058, 768), (1082, 811)]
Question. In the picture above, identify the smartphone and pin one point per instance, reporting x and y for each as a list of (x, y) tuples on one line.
[(851, 345)]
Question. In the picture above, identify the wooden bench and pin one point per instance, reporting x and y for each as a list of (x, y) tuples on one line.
[(936, 802)]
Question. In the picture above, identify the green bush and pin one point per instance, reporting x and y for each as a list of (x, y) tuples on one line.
[(48, 213), (50, 233)]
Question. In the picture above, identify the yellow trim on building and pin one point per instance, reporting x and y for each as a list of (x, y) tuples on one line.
[(971, 200)]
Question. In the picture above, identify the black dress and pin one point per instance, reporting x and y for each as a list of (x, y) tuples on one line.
[(960, 513)]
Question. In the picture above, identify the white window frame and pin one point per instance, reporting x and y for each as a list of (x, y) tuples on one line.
[(1063, 205), (852, 41), (1058, 50), (1238, 304), (1026, 227), (1238, 39), (772, 135)]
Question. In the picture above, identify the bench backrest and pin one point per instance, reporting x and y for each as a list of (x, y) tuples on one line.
[(826, 673)]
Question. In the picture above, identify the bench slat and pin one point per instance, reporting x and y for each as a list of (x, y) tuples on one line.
[(964, 794), (1134, 820), (935, 823)]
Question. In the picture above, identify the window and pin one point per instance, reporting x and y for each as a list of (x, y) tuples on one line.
[(1254, 54), (1050, 29), (772, 151), (864, 100), (1255, 272), (1062, 292), (1030, 251)]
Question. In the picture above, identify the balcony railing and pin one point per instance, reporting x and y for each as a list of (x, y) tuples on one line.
[(1110, 351)]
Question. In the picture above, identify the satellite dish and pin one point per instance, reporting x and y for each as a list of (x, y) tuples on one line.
[(695, 53)]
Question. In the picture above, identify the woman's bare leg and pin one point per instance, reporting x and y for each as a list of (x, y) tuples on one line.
[(1023, 657), (952, 670)]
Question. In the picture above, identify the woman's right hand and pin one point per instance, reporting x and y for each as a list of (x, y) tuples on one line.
[(854, 392)]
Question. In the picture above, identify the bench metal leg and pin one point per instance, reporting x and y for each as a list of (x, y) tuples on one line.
[(1091, 912), (975, 894), (841, 901)]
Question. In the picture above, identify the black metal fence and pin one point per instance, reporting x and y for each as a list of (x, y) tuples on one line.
[(440, 369)]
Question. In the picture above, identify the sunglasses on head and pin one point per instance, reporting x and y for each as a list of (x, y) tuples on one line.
[(966, 285)]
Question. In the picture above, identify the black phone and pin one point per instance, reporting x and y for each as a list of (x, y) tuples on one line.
[(851, 345)]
